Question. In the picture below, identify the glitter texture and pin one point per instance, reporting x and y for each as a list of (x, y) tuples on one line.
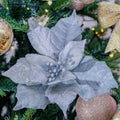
[(98, 108), (6, 36), (108, 14)]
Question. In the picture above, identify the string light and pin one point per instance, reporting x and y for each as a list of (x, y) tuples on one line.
[(111, 55), (96, 33), (102, 30), (28, 8), (12, 47), (93, 29), (100, 33), (46, 10), (49, 2), (7, 8)]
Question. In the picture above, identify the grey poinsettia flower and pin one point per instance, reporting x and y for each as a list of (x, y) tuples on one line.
[(60, 71)]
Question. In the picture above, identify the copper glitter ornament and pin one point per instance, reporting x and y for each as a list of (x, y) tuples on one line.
[(79, 4), (6, 36), (99, 108)]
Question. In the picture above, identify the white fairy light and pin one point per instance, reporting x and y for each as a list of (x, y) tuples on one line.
[(11, 52)]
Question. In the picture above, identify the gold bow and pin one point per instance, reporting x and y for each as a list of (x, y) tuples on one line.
[(108, 15)]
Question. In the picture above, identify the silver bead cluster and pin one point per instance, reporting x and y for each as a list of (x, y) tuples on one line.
[(54, 70)]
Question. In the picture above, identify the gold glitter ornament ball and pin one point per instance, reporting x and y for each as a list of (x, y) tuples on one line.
[(99, 108), (6, 36)]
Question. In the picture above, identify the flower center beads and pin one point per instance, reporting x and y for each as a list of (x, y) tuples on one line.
[(54, 70)]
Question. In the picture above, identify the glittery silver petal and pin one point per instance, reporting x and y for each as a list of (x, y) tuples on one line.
[(32, 23), (66, 29), (29, 70), (71, 55), (62, 95), (99, 73), (46, 40), (39, 61), (31, 97), (86, 64), (67, 78), (40, 40)]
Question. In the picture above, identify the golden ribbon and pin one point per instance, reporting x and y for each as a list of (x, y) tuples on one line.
[(109, 15)]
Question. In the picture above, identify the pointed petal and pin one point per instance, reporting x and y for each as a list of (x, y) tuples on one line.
[(62, 95), (80, 19), (68, 77), (32, 23), (87, 92), (89, 22), (67, 29), (31, 97), (45, 41), (40, 40), (39, 60), (98, 79), (86, 64), (29, 70), (71, 55)]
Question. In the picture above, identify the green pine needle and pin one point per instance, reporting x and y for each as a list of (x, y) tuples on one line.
[(28, 114), (61, 4), (7, 85), (2, 93), (4, 3)]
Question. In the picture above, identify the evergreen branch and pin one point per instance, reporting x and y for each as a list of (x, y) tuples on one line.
[(7, 85), (18, 26), (89, 10), (117, 94), (28, 114), (61, 4), (4, 3), (26, 4), (2, 93)]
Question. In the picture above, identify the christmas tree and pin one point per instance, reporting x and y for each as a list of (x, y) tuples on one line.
[(62, 24)]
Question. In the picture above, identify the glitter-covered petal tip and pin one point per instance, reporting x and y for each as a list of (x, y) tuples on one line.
[(62, 94), (71, 55), (31, 97), (45, 40), (96, 80), (29, 70)]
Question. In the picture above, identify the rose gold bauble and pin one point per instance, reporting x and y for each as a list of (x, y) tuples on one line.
[(99, 108), (6, 36), (79, 4)]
